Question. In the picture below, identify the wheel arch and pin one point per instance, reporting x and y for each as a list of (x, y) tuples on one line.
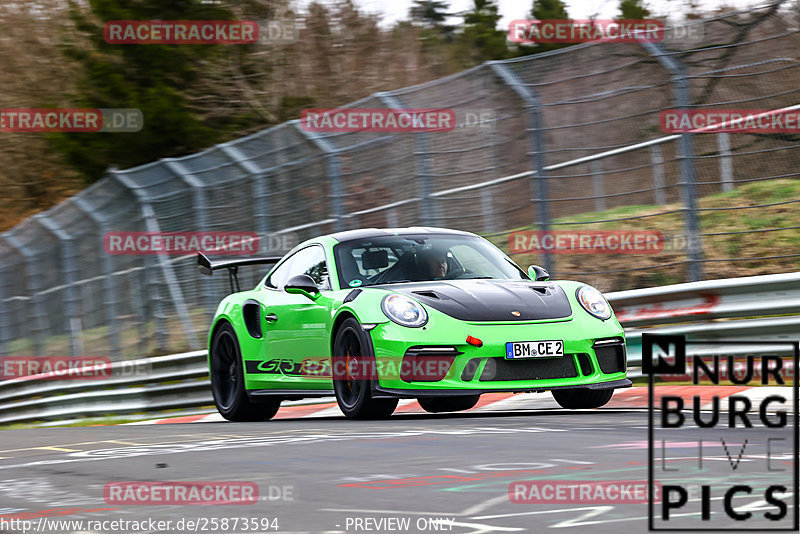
[(337, 323), (220, 321)]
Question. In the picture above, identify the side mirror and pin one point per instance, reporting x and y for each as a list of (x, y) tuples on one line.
[(538, 274), (302, 284)]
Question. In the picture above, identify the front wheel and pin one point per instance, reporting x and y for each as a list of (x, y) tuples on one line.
[(448, 404), (227, 381), (353, 371), (580, 398)]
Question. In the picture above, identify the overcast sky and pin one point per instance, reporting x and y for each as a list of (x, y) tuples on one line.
[(394, 10)]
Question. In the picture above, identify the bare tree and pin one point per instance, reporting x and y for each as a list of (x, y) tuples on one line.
[(35, 74)]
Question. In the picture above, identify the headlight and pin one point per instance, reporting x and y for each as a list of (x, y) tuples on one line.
[(404, 311), (594, 302)]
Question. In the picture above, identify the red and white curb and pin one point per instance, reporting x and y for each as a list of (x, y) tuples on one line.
[(631, 398)]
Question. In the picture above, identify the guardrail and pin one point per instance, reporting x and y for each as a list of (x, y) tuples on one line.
[(752, 308), (749, 308), (150, 384)]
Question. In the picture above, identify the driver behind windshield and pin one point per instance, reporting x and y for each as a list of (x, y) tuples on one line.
[(432, 264)]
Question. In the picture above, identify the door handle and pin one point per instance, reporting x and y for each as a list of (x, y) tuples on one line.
[(271, 318)]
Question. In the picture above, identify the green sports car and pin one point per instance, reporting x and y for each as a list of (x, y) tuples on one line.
[(372, 316)]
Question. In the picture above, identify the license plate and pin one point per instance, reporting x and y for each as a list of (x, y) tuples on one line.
[(534, 349)]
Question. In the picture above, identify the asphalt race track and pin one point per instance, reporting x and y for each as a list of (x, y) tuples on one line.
[(412, 473)]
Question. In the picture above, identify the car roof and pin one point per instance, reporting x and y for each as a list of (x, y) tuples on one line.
[(366, 233)]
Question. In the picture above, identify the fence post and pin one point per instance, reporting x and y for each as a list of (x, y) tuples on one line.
[(597, 185), (392, 221), (258, 183), (680, 87), (200, 209), (487, 211), (658, 174), (68, 270), (170, 280), (38, 329), (429, 210), (138, 282), (334, 167), (725, 161), (488, 216), (106, 266), (5, 328), (536, 129)]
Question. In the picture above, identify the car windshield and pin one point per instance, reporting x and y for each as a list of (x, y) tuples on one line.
[(417, 258)]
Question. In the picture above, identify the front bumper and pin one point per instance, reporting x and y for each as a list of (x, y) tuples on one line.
[(473, 370), (381, 392)]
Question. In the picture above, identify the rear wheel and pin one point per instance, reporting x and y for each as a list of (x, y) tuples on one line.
[(353, 369), (448, 404), (227, 381), (579, 398)]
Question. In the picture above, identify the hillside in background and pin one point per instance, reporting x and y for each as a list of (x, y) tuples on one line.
[(772, 230), (52, 55)]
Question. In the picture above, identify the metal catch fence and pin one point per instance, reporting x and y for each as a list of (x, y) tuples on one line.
[(562, 140)]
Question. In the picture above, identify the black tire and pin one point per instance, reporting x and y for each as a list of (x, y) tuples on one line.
[(227, 381), (352, 350), (448, 404), (581, 398)]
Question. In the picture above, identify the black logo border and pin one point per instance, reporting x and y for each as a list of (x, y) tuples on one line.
[(650, 437)]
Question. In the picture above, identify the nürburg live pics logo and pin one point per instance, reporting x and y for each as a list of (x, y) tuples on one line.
[(723, 450)]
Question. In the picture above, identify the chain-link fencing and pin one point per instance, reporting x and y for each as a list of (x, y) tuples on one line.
[(561, 141)]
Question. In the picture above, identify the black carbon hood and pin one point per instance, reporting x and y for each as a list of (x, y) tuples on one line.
[(490, 300)]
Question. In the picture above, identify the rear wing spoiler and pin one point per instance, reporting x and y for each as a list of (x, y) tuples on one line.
[(207, 267)]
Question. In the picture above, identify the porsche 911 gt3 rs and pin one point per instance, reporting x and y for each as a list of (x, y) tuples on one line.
[(372, 316)]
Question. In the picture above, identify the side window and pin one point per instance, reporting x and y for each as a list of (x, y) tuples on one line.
[(310, 261), (279, 277)]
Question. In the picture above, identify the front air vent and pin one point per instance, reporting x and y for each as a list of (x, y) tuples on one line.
[(500, 369), (427, 364), (611, 357), (585, 364), (352, 295), (470, 369), (429, 294)]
